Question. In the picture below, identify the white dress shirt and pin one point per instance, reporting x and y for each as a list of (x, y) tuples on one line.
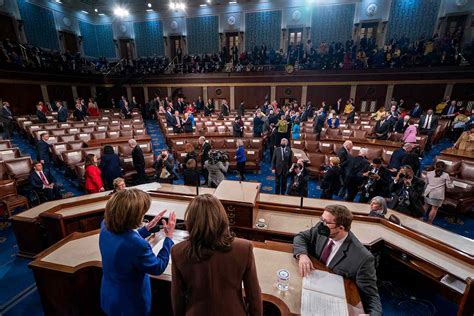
[(335, 248), (45, 179)]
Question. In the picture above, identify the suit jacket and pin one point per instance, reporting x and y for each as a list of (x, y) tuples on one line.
[(41, 117), (127, 259), (79, 115), (281, 163), (6, 114), (62, 114), (110, 167), (225, 109), (352, 260), (357, 166), (298, 185), (36, 181), (344, 157), (447, 110), (188, 125), (42, 149), (382, 129), (381, 186), (206, 147), (397, 158), (257, 125), (416, 112), (138, 158), (214, 286), (434, 122), (331, 180), (415, 193)]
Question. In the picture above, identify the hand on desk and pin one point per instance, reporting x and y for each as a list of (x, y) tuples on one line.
[(305, 265)]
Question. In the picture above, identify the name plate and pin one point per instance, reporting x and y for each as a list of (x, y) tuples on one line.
[(115, 122), (73, 130), (183, 154), (251, 152), (6, 152), (76, 153), (170, 128), (389, 152), (346, 131), (83, 135), (113, 133), (21, 119), (64, 125), (101, 128), (325, 145), (255, 140), (128, 160), (179, 143), (367, 127), (298, 155), (90, 123), (460, 184), (297, 142), (143, 146), (60, 147), (126, 126), (229, 140), (139, 131)]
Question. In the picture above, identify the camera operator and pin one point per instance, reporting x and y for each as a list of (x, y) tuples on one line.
[(377, 181), (216, 165), (205, 147), (299, 182), (164, 168), (407, 193)]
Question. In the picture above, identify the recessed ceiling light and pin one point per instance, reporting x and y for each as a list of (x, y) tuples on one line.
[(208, 1), (101, 14), (85, 12), (203, 5), (120, 12), (149, 10), (232, 2), (95, 10), (58, 1), (149, 4)]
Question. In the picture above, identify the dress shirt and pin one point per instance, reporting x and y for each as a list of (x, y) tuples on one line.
[(427, 122), (43, 178), (335, 248)]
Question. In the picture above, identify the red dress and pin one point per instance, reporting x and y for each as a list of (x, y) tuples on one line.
[(93, 112), (93, 182)]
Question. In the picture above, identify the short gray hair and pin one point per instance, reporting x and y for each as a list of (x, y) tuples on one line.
[(380, 201), (132, 142), (363, 151)]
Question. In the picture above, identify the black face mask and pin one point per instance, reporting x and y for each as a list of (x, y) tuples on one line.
[(283, 146), (324, 230)]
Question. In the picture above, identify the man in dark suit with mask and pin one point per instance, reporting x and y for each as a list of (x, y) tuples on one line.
[(382, 128), (281, 160), (335, 246)]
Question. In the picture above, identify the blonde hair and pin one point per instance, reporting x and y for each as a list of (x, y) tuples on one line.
[(117, 181), (240, 142), (335, 161), (125, 210), (208, 227)]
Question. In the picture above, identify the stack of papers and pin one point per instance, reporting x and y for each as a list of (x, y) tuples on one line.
[(323, 294)]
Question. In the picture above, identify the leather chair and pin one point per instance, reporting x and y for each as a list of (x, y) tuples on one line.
[(332, 132), (459, 199), (58, 148), (128, 170), (326, 147), (386, 155), (10, 198), (99, 135), (113, 134), (211, 129), (452, 165), (310, 136), (360, 134), (19, 169), (88, 129), (466, 171), (255, 143), (347, 132), (149, 161), (84, 137), (228, 143), (91, 150), (125, 150), (3, 171), (10, 153), (373, 152), (316, 161), (253, 159), (219, 143), (178, 145), (114, 127), (4, 144), (126, 133), (58, 131), (311, 146), (80, 171), (355, 127), (298, 144), (146, 147), (139, 132), (102, 127), (77, 144), (67, 138), (71, 158)]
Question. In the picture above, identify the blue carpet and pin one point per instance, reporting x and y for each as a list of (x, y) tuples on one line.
[(16, 278)]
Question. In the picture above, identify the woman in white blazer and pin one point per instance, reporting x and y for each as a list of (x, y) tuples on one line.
[(436, 183)]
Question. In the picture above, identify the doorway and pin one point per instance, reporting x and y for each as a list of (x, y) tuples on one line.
[(7, 28), (455, 27), (70, 42), (176, 47), (368, 34), (295, 36), (126, 50)]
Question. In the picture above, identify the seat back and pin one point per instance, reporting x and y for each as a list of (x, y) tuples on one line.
[(126, 133), (139, 131), (10, 153), (360, 134), (77, 144), (113, 134), (80, 170), (466, 170), (99, 135), (91, 150), (255, 143), (19, 168), (67, 138), (125, 150), (452, 166), (326, 147), (146, 147), (298, 144), (7, 188), (84, 137), (72, 157)]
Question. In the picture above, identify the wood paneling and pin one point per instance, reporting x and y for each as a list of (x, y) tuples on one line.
[(60, 92), (252, 96), (153, 92), (217, 92), (188, 93), (463, 92), (22, 97), (138, 93), (370, 93), (288, 92), (329, 94), (428, 95), (104, 95), (84, 92)]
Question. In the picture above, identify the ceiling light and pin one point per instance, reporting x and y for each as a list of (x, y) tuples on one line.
[(232, 2), (208, 1), (173, 5), (95, 10), (149, 10), (120, 12), (85, 12), (149, 4), (182, 6), (101, 14), (58, 1), (203, 5)]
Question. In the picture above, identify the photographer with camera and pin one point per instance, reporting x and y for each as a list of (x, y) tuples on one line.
[(164, 168), (407, 193), (216, 165), (377, 181), (299, 182)]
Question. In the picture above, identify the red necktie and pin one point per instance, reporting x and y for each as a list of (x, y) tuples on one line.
[(43, 178), (327, 252)]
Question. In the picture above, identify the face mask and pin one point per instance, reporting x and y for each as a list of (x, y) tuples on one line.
[(324, 230), (283, 146)]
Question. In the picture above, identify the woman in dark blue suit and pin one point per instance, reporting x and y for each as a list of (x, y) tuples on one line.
[(127, 257), (110, 167)]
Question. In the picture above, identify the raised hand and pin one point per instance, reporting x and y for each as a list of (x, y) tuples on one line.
[(155, 220), (170, 226)]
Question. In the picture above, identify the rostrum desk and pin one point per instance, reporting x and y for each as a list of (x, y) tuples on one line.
[(430, 251)]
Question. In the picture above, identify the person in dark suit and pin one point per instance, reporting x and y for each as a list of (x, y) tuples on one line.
[(344, 155), (407, 193), (241, 110), (225, 108), (258, 125), (416, 111), (210, 266), (110, 167), (188, 123), (298, 182), (138, 162), (209, 107), (40, 114), (127, 257), (78, 113), (451, 110), (412, 158), (125, 108), (199, 104), (238, 127), (43, 182), (43, 153), (396, 159), (319, 123), (164, 168), (427, 126), (7, 120), (170, 121), (62, 113), (331, 181), (354, 178), (335, 246), (177, 123), (377, 181), (401, 124), (205, 149), (191, 174), (382, 128), (308, 112), (281, 160)]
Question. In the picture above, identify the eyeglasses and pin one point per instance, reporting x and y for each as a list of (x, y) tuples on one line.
[(326, 222)]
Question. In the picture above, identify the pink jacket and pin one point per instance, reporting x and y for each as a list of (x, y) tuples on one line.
[(410, 134)]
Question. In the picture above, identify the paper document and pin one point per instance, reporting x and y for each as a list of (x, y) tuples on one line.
[(323, 294)]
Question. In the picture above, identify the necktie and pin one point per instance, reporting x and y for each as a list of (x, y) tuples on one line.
[(427, 122), (327, 251), (43, 178)]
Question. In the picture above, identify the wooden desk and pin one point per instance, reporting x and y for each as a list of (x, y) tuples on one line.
[(76, 260), (111, 141), (456, 153)]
